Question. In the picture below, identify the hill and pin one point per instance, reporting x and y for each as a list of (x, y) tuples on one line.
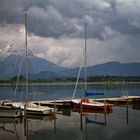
[(11, 60), (110, 68), (39, 68)]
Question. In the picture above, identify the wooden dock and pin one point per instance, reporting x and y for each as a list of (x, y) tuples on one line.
[(121, 98), (131, 101), (117, 101)]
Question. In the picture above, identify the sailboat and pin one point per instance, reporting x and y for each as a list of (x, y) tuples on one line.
[(85, 103), (10, 111), (89, 104), (29, 107)]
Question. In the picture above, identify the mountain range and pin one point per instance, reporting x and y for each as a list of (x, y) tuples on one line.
[(12, 60), (110, 68)]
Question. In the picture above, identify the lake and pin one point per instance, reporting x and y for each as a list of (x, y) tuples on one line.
[(122, 123), (58, 91)]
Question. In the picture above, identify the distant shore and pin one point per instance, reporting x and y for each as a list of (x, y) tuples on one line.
[(93, 80), (72, 83)]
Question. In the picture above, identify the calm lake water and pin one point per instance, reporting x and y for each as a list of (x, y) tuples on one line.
[(121, 124), (52, 91)]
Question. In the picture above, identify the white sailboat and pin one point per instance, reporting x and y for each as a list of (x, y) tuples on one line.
[(33, 109), (29, 107), (10, 111)]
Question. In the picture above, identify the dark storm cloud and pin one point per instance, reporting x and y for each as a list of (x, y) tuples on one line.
[(56, 18)]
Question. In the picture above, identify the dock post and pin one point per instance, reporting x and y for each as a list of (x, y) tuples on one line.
[(25, 111), (25, 121), (54, 107), (81, 107), (105, 111), (81, 121), (127, 102), (81, 116)]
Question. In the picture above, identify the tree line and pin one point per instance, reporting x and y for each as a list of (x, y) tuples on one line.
[(106, 78)]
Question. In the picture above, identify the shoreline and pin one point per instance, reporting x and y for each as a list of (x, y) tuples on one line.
[(73, 83)]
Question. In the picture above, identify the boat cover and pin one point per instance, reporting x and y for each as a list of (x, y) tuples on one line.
[(87, 93)]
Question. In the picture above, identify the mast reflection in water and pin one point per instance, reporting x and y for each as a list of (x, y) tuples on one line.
[(121, 124)]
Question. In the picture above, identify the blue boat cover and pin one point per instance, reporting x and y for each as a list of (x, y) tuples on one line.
[(92, 93)]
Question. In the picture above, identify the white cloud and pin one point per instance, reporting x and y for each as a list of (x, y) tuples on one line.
[(64, 51), (129, 10), (12, 34), (57, 29), (68, 51), (101, 5)]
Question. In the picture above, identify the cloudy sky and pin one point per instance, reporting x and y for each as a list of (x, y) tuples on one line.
[(56, 29)]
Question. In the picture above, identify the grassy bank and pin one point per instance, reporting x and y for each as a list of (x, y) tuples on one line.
[(106, 80), (70, 83)]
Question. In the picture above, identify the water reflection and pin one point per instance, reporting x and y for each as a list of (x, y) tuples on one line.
[(11, 128), (20, 129), (74, 125), (27, 128)]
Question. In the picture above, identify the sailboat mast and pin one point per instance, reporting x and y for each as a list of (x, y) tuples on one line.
[(26, 51), (85, 57)]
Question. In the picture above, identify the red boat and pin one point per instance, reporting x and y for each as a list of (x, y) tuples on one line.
[(86, 104), (90, 104)]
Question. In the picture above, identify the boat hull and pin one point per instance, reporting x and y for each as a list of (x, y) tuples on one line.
[(33, 109), (37, 112), (10, 112), (91, 106)]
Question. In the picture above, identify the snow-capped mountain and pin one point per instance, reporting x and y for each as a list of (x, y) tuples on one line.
[(12, 58), (9, 50)]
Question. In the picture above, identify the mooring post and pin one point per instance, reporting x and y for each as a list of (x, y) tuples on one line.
[(81, 116), (54, 107), (25, 121), (81, 107), (25, 111), (81, 121), (127, 102), (105, 110)]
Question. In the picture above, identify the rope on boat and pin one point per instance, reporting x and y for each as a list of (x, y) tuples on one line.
[(18, 77), (79, 72)]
